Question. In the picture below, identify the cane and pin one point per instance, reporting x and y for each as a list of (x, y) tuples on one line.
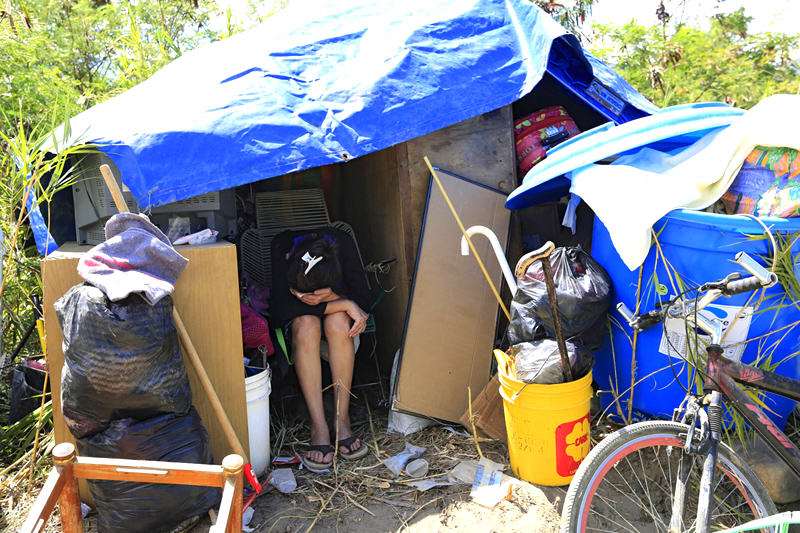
[(526, 261)]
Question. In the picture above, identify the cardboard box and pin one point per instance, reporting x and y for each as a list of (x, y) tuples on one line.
[(488, 414)]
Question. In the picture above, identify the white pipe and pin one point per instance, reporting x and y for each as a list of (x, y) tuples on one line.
[(498, 251)]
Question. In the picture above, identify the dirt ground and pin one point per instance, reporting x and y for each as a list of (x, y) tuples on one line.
[(365, 496)]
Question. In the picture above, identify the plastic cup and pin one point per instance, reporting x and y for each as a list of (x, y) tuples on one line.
[(417, 468)]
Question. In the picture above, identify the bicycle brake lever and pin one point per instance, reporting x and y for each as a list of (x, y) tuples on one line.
[(722, 283)]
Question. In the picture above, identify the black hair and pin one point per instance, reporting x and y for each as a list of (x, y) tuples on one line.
[(326, 273)]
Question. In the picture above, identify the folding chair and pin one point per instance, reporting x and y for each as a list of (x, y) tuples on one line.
[(297, 210)]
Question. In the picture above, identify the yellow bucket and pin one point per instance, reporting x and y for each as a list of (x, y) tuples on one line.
[(547, 425)]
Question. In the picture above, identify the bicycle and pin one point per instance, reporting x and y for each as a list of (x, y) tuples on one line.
[(677, 476)]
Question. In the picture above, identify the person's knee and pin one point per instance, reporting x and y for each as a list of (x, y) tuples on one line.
[(306, 330), (337, 326)]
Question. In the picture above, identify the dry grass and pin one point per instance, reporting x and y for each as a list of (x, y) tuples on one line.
[(360, 484), (18, 488)]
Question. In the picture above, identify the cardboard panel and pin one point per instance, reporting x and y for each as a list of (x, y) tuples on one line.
[(207, 297), (488, 414), (452, 314)]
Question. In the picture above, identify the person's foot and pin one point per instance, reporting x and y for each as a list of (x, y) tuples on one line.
[(317, 453), (350, 446), (344, 432)]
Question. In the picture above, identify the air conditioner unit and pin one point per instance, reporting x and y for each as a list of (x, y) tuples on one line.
[(94, 205), (92, 199)]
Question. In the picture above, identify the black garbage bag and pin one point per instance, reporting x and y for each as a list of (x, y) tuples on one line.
[(540, 361), (121, 360), (127, 507), (583, 290), (26, 392)]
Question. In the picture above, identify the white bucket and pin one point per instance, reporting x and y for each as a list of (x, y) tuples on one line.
[(257, 389)]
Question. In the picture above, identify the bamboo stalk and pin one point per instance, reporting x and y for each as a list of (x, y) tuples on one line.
[(466, 236)]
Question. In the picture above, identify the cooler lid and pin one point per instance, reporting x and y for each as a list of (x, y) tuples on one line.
[(667, 129)]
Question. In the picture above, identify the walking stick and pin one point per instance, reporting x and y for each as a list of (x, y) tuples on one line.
[(526, 261)]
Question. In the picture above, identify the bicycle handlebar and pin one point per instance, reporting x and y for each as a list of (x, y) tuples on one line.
[(724, 287), (739, 286)]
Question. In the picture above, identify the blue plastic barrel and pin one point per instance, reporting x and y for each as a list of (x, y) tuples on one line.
[(699, 247)]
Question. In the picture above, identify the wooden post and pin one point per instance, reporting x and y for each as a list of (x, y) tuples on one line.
[(232, 465), (229, 519), (69, 502)]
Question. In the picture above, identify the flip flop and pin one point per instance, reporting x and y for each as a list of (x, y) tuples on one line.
[(315, 466), (360, 452)]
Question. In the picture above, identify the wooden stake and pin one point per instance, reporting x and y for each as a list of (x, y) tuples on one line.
[(189, 351), (543, 255)]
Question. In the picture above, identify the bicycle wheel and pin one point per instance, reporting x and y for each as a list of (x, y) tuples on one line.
[(626, 484)]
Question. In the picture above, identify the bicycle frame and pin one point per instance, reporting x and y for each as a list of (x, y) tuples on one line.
[(723, 375), (721, 382)]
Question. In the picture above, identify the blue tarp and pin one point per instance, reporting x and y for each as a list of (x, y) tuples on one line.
[(324, 82)]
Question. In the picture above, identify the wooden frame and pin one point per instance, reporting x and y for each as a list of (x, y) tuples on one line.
[(62, 485)]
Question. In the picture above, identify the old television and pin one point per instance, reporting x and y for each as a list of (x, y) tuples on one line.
[(94, 205)]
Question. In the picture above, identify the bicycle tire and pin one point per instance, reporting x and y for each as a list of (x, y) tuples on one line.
[(620, 484)]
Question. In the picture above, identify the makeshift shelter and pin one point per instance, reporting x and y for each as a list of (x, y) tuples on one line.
[(362, 91)]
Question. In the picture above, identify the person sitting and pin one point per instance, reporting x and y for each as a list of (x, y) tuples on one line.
[(319, 286)]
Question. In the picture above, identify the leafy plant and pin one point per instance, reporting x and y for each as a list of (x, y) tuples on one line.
[(673, 63), (31, 175)]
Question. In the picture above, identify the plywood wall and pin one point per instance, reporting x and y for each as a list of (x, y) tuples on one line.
[(371, 204)]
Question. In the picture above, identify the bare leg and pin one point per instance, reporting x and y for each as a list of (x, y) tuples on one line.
[(306, 334), (342, 357)]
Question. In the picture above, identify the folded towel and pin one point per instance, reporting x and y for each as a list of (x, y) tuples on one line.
[(630, 195), (136, 257)]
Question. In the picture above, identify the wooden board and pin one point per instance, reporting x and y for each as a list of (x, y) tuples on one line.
[(447, 345), (369, 185), (207, 297), (481, 149)]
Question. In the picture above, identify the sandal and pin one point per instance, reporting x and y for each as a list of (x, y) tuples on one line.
[(358, 453), (315, 466)]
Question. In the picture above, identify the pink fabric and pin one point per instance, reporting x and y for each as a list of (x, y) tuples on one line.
[(255, 329)]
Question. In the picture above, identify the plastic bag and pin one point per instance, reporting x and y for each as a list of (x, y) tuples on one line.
[(206, 236), (540, 361), (121, 360), (398, 462), (124, 506), (583, 289)]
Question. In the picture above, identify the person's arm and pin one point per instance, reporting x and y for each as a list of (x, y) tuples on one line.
[(354, 277), (353, 310)]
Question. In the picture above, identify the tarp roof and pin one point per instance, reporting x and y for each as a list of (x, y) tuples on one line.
[(324, 82)]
